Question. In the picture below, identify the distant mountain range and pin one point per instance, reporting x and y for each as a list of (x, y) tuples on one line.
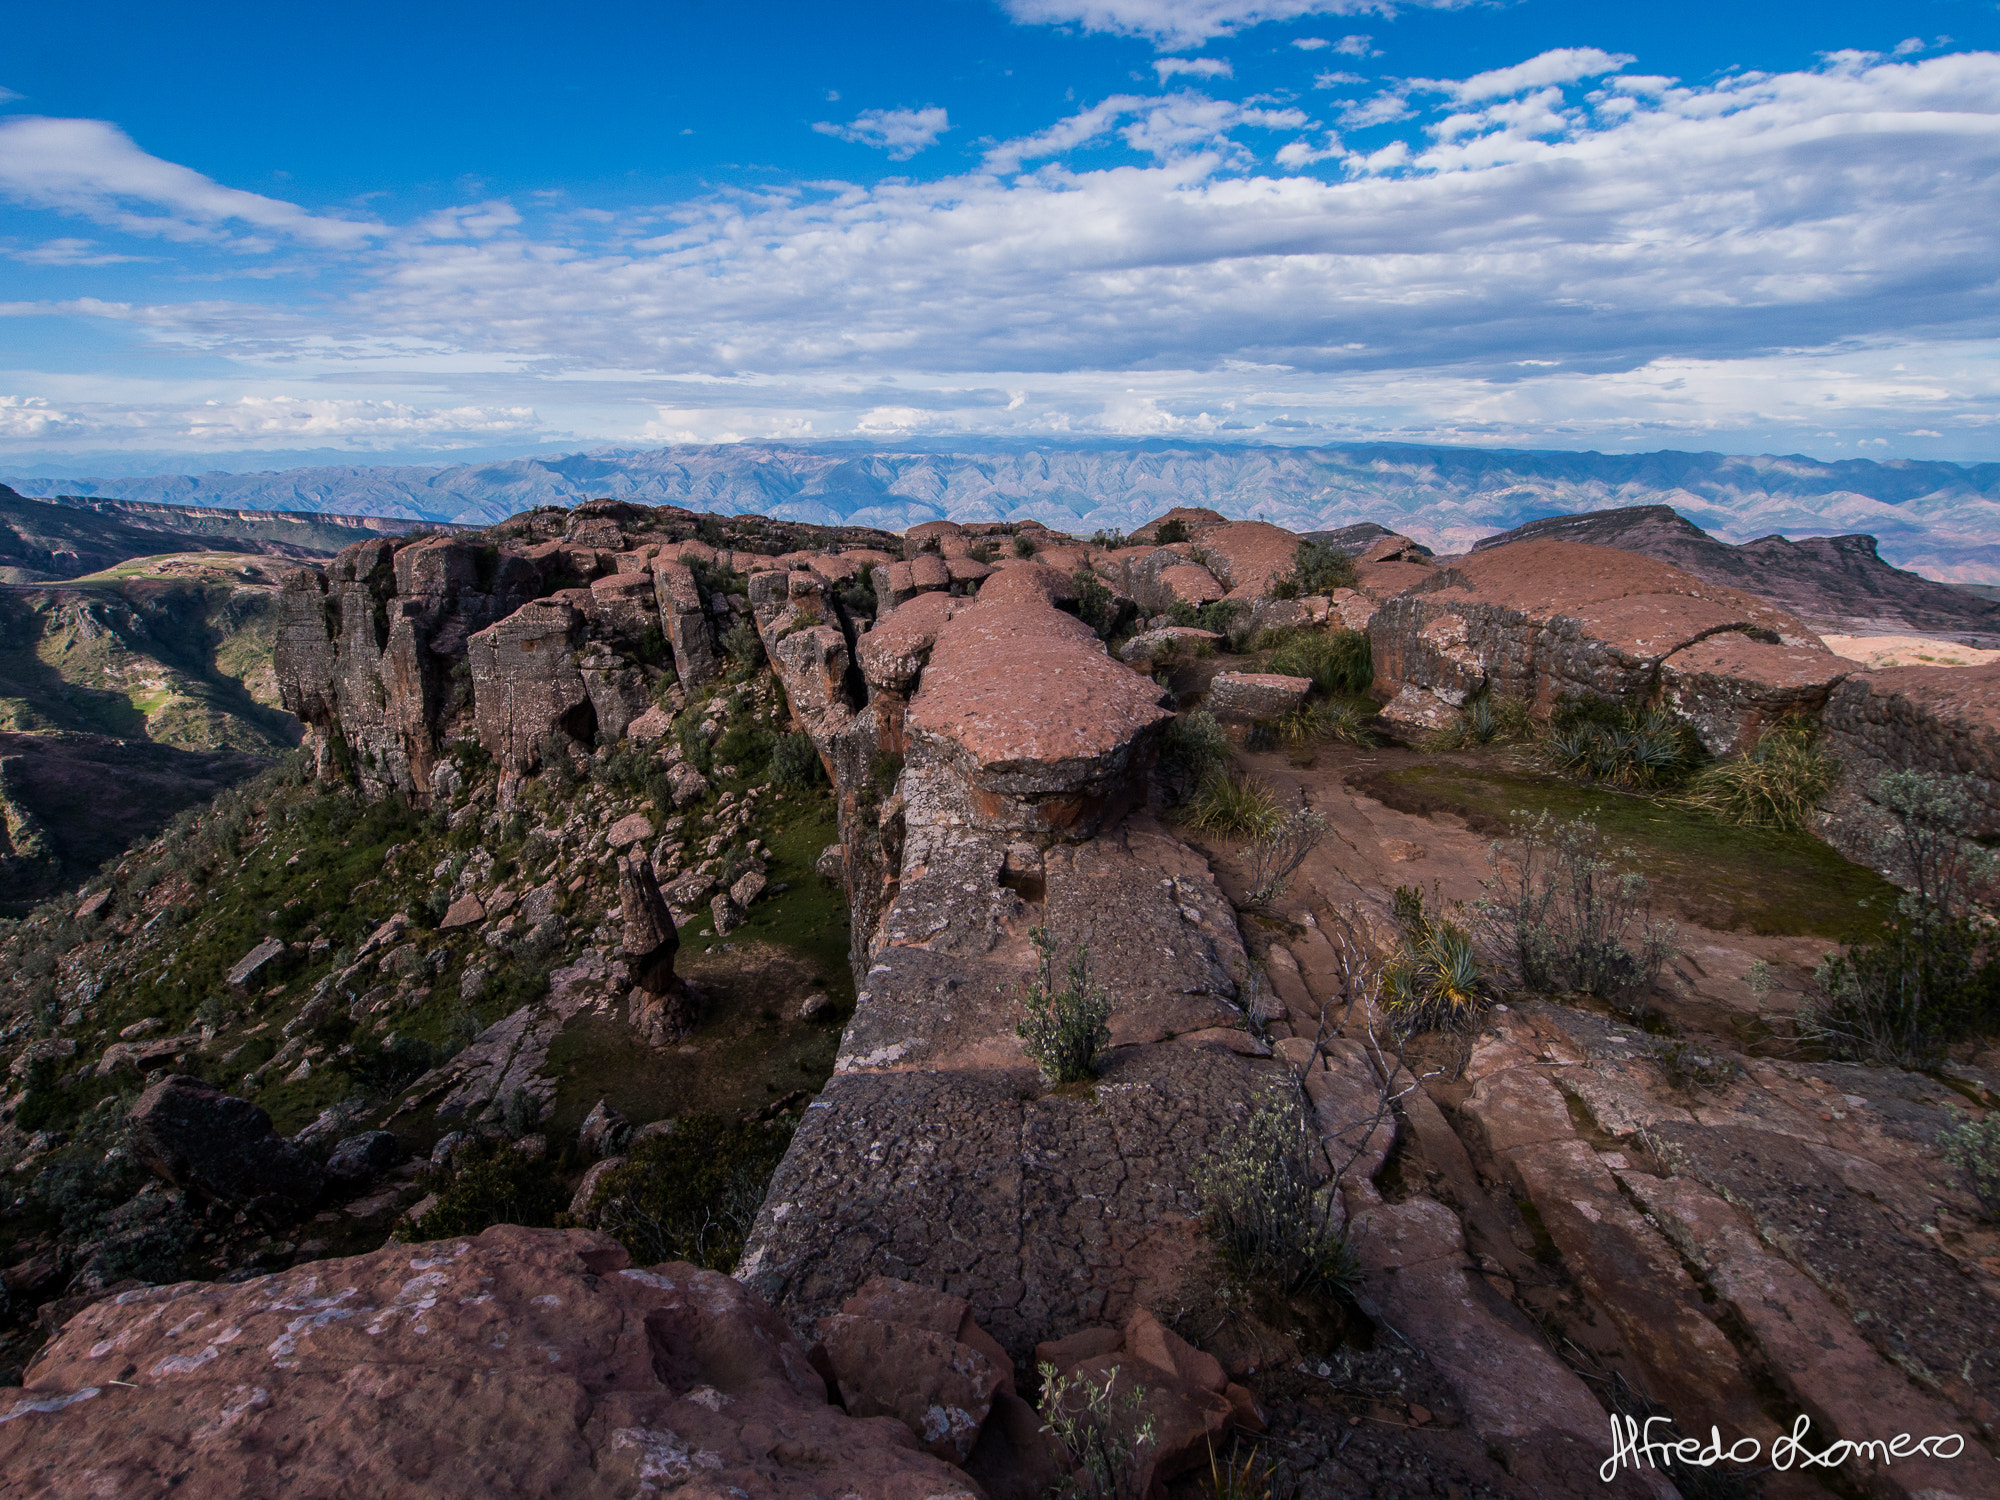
[(1940, 519)]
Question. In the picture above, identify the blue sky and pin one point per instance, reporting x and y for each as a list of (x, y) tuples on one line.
[(424, 230)]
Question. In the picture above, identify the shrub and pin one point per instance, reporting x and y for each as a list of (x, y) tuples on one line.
[(1272, 1205), (795, 763), (1213, 616), (494, 1184), (1024, 545), (1316, 569), (1572, 920), (1337, 661), (1094, 603), (1276, 856), (1778, 784), (1483, 720), (744, 646), (983, 550), (1925, 845), (1233, 802), (1193, 749), (1170, 531), (1066, 1026), (1434, 981), (692, 1194), (1974, 1148), (1097, 1447), (1593, 741), (1929, 980)]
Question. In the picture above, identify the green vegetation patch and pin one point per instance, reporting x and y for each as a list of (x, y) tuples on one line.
[(1765, 881), (692, 1194)]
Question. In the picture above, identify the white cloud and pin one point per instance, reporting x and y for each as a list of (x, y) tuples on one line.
[(92, 170), (1383, 109), (1746, 256), (1193, 67), (1310, 43), (1336, 80), (476, 221), (1295, 154), (1173, 24), (68, 252), (257, 421), (1560, 65), (900, 132), (1356, 46)]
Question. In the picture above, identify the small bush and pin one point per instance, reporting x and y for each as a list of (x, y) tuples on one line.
[(1233, 802), (1434, 981), (692, 1194), (1482, 721), (1275, 857), (1095, 605), (1170, 531), (1926, 845), (744, 646), (1973, 1146), (1066, 1025), (1779, 784), (1316, 569), (1572, 920), (1193, 749), (1024, 545), (1651, 750), (1931, 979), (795, 763), (1214, 616), (494, 1184), (983, 550), (1098, 1449), (1337, 661), (1271, 1203)]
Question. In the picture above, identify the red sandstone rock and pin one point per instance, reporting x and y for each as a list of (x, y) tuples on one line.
[(1189, 583), (1249, 556), (524, 1363), (1255, 695), (1026, 583)]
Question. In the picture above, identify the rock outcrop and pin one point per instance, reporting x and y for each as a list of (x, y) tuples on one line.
[(197, 1137), (523, 1362)]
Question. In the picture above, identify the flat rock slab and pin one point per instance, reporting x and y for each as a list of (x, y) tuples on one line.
[(1045, 1212), (524, 1363), (1161, 936), (1911, 1301)]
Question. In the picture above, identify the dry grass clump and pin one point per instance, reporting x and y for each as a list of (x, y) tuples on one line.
[(1234, 802), (1779, 784), (1341, 721)]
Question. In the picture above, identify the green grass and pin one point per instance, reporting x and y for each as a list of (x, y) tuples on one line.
[(1761, 880)]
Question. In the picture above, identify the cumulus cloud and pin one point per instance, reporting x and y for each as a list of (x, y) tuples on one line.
[(1538, 265), (1166, 128), (1336, 80), (1559, 65), (93, 170), (900, 132), (1356, 46), (1310, 43), (258, 421), (1174, 24), (67, 251), (1193, 67)]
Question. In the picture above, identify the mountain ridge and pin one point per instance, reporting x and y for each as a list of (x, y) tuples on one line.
[(1940, 518)]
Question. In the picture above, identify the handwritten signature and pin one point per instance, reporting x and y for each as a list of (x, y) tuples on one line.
[(1633, 1444)]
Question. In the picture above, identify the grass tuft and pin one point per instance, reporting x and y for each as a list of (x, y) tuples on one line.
[(1234, 802)]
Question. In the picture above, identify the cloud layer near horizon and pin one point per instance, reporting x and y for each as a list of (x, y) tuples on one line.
[(1565, 249)]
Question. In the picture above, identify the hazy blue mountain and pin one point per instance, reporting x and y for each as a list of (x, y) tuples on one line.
[(1940, 519)]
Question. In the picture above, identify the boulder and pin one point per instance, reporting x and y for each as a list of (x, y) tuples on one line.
[(1020, 582), (1939, 719), (1732, 687), (523, 1362), (1188, 583), (255, 966), (696, 658), (1249, 557), (650, 939), (467, 911), (1255, 695), (360, 1158), (205, 1141), (724, 914), (629, 830), (892, 655), (1546, 620), (939, 1388), (1150, 643), (604, 1131)]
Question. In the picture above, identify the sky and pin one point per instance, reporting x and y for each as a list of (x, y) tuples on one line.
[(231, 235)]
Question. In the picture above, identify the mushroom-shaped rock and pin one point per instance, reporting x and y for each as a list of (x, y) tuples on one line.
[(1731, 687), (1027, 583), (1043, 728)]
